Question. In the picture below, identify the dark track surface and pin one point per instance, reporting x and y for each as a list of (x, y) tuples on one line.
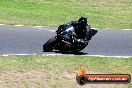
[(29, 40)]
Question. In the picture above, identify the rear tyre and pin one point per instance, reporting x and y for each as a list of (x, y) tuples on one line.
[(49, 45)]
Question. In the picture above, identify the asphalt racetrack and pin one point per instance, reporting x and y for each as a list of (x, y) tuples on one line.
[(17, 39)]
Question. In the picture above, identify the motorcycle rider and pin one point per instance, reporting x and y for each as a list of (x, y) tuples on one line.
[(79, 29), (71, 37)]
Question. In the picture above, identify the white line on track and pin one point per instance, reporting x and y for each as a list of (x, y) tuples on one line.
[(41, 27), (19, 25), (127, 29), (91, 28), (96, 28), (110, 56), (2, 24), (88, 55), (66, 55), (16, 54), (46, 29), (38, 26)]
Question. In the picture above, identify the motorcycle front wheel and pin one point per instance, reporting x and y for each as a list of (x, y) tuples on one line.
[(49, 45)]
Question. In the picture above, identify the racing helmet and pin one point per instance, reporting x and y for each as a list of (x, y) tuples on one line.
[(82, 21)]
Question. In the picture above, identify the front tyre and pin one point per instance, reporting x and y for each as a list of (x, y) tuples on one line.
[(49, 45)]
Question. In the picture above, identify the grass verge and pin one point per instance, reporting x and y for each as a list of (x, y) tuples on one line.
[(57, 71), (101, 13)]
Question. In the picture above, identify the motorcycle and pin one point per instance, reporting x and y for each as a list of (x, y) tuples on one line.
[(60, 43)]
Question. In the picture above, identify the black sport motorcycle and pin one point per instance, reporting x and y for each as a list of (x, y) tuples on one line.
[(60, 43)]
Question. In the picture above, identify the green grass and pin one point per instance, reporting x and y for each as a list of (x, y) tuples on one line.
[(101, 13), (53, 70), (18, 63)]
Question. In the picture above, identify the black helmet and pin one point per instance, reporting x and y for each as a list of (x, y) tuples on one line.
[(82, 21)]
